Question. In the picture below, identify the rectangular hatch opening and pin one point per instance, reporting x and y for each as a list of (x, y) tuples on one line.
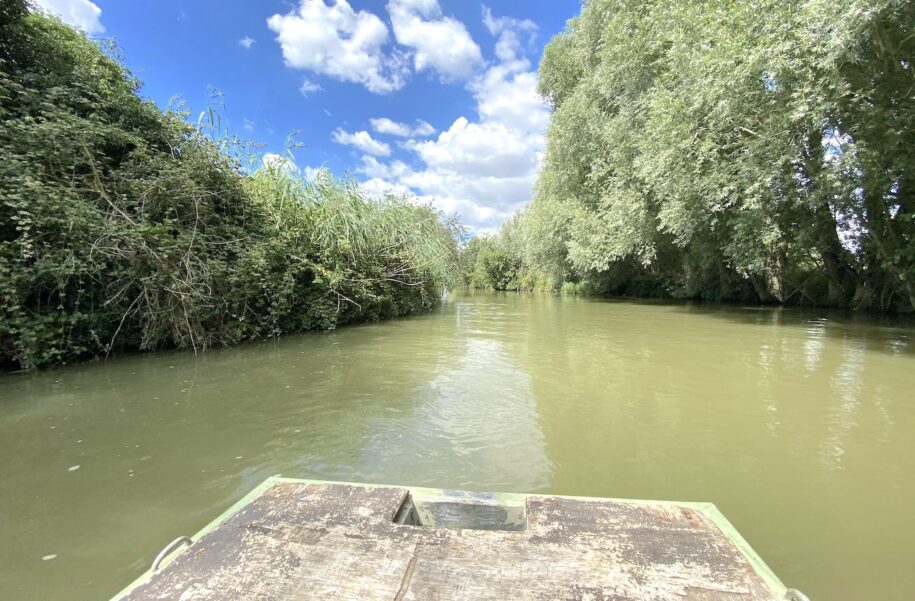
[(467, 512)]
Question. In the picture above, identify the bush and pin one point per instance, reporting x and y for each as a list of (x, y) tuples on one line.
[(124, 228)]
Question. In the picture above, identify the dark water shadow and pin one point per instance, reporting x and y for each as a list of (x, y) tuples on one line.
[(893, 334)]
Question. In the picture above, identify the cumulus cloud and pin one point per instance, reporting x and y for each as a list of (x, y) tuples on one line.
[(483, 201), (487, 148), (363, 141), (384, 125), (439, 43), (356, 46), (246, 42), (483, 169), (507, 93), (339, 42), (81, 14)]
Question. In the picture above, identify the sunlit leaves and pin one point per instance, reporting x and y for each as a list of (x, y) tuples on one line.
[(690, 138)]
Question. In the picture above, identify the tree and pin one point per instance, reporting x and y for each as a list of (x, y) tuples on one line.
[(733, 150)]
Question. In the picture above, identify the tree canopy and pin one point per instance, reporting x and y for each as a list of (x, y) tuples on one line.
[(754, 151)]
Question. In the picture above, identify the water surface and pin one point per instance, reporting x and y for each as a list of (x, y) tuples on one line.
[(799, 425)]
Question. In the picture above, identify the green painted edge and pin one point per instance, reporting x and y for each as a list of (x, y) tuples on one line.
[(235, 508), (727, 528), (709, 510)]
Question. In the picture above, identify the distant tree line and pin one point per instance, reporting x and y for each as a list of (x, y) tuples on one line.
[(122, 227), (759, 151)]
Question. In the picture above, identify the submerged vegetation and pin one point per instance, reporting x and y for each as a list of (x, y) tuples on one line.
[(747, 151), (124, 228)]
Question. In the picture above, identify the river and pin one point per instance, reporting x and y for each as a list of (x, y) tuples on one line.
[(799, 425)]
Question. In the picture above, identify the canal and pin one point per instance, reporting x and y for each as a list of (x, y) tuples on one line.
[(799, 425)]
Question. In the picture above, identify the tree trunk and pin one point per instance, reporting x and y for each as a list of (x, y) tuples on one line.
[(842, 277)]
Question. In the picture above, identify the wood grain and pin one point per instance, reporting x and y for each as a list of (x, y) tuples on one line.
[(339, 542)]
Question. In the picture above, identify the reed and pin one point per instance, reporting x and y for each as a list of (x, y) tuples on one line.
[(124, 227)]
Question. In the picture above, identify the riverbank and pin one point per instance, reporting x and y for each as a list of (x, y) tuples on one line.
[(124, 228), (726, 153)]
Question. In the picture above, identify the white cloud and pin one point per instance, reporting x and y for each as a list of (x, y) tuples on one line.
[(508, 46), (483, 202), (246, 42), (423, 128), (81, 14), (272, 160), (442, 44), (507, 93), (275, 161), (384, 125), (483, 169), (341, 43), (363, 141), (487, 148), (374, 168), (312, 173), (497, 25), (380, 188), (309, 87)]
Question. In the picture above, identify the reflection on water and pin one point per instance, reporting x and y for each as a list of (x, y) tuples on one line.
[(465, 428), (846, 386), (814, 345), (797, 424)]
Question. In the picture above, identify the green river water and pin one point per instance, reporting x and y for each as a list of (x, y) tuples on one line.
[(799, 425)]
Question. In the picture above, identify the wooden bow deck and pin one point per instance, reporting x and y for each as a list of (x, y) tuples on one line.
[(298, 539)]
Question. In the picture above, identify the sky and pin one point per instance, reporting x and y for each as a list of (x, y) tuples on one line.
[(432, 99)]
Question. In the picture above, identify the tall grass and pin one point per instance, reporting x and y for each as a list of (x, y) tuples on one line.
[(123, 227), (357, 240)]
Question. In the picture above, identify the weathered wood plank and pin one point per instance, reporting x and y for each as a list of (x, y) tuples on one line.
[(340, 542)]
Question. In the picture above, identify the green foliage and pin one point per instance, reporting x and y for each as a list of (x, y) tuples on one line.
[(495, 267), (496, 262), (754, 151), (122, 227)]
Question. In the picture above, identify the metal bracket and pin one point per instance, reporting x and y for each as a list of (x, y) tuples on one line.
[(181, 540)]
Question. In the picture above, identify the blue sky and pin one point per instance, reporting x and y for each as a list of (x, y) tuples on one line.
[(435, 99)]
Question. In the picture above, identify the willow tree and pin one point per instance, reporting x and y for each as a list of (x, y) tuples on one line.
[(737, 150)]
